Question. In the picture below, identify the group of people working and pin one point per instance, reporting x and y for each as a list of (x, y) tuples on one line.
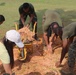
[(52, 28)]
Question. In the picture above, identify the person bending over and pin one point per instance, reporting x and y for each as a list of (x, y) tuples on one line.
[(27, 9), (69, 45), (51, 25), (11, 38)]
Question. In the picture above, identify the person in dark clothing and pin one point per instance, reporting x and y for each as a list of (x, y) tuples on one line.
[(27, 9), (2, 19)]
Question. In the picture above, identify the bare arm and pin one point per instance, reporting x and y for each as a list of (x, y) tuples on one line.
[(22, 19), (65, 46), (7, 68), (49, 44), (45, 38), (63, 53), (31, 18), (64, 49), (52, 37)]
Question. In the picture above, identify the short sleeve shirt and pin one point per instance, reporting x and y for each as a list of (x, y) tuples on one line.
[(4, 56), (69, 30), (50, 17)]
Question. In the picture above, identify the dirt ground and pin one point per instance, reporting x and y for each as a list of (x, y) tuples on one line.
[(39, 62)]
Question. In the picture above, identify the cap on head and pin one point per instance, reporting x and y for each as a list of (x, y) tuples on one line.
[(14, 36), (2, 18), (25, 5)]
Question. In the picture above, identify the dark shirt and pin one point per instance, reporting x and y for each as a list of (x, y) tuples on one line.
[(31, 10)]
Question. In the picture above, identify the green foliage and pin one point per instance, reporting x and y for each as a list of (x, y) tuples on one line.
[(9, 8)]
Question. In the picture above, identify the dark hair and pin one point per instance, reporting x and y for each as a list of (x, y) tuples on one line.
[(51, 27), (26, 5), (57, 30), (2, 18), (54, 23), (9, 46)]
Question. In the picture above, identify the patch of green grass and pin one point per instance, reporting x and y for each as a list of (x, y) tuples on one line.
[(9, 9)]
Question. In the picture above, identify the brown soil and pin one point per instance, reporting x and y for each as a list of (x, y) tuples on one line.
[(39, 62)]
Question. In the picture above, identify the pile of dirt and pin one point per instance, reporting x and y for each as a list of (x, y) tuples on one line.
[(26, 34), (38, 62)]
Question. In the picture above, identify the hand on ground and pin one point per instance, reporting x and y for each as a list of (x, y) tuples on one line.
[(58, 64)]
